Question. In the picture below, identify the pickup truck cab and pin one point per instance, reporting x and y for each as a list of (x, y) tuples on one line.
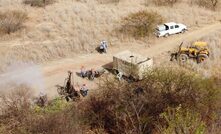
[(170, 28)]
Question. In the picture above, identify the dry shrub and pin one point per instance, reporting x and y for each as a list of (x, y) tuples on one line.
[(65, 121), (211, 4), (137, 107), (12, 21), (38, 3), (16, 102), (15, 106), (165, 2), (108, 1), (179, 119), (19, 115), (141, 24)]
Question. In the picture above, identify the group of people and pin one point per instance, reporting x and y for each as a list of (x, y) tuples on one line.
[(90, 73), (83, 89)]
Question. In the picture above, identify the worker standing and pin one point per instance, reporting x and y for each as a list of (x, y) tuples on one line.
[(84, 90), (103, 46), (83, 72), (119, 76), (93, 73)]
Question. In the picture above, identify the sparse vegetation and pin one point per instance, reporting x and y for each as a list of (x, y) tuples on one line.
[(12, 21), (141, 24), (38, 3), (139, 107), (211, 4), (178, 120), (108, 1), (19, 115), (166, 101), (165, 2)]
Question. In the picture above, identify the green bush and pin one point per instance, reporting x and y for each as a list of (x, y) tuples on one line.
[(141, 24), (179, 121), (124, 108), (38, 3), (12, 21), (54, 106)]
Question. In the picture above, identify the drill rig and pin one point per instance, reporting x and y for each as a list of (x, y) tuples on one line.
[(67, 91)]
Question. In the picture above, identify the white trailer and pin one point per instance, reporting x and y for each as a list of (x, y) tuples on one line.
[(131, 64)]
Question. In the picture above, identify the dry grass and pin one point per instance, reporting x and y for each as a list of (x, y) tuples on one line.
[(38, 3), (108, 1), (165, 2), (69, 27), (211, 4), (12, 21)]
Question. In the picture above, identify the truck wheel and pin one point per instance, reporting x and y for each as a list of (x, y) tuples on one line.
[(115, 71), (201, 58), (183, 31), (183, 58), (166, 35)]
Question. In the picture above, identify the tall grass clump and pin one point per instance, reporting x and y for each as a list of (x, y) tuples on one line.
[(165, 2), (12, 21), (38, 3), (141, 24), (144, 107), (108, 1), (210, 4)]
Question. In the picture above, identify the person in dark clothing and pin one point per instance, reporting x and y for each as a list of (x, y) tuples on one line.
[(84, 90), (138, 90)]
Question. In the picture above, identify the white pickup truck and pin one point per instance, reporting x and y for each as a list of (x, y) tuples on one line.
[(170, 28)]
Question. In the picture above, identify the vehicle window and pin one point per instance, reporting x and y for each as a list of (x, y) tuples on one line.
[(167, 27), (176, 26), (171, 27)]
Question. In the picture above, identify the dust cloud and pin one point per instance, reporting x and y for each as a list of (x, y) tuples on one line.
[(22, 73)]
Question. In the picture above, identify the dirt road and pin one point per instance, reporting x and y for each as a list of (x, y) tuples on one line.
[(55, 71)]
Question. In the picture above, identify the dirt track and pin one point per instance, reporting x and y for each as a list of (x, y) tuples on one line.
[(55, 72)]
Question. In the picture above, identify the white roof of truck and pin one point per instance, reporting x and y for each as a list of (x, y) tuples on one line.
[(129, 56), (170, 24)]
